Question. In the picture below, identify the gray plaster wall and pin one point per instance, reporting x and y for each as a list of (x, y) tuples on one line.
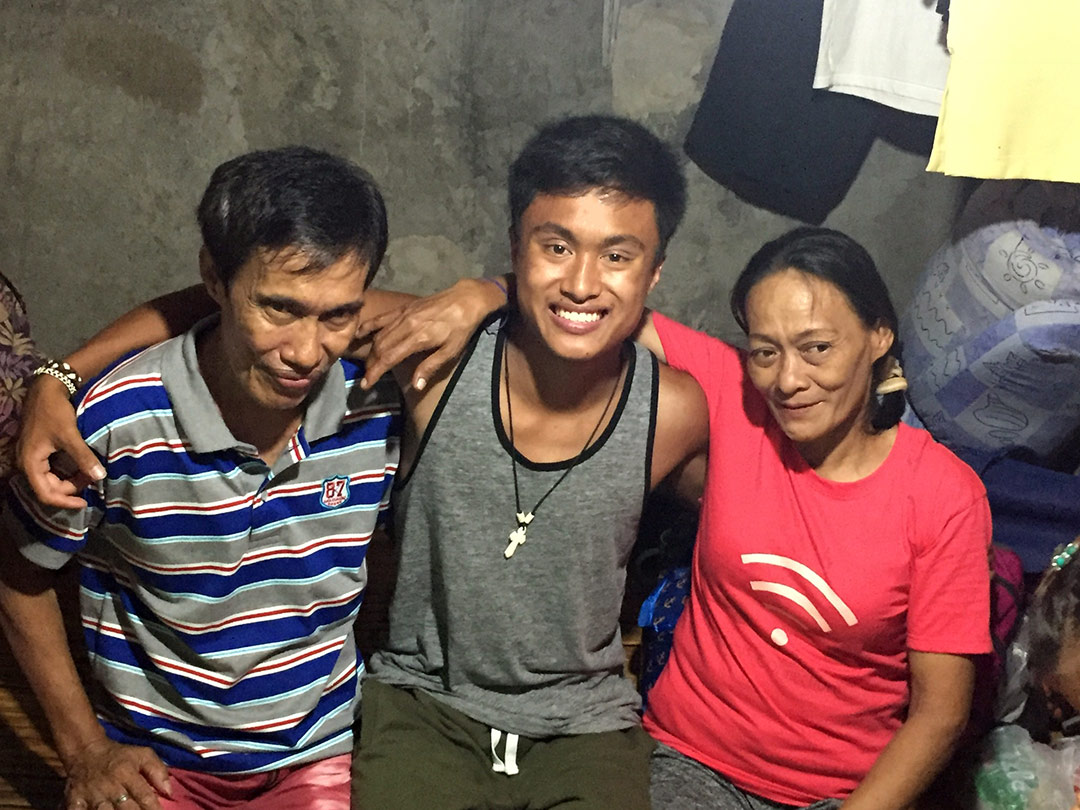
[(113, 114)]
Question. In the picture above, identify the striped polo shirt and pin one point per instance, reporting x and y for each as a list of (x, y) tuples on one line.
[(218, 594)]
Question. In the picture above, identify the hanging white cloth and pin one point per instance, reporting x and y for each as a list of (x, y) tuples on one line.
[(889, 51)]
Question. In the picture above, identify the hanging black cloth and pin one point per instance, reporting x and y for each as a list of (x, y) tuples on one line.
[(761, 129)]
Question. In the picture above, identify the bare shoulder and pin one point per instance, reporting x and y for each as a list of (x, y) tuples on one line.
[(682, 421), (681, 405), (421, 402), (679, 389), (648, 337)]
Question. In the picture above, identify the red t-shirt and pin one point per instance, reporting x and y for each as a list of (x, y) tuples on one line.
[(789, 672)]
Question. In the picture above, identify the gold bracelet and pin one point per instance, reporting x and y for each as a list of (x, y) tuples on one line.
[(63, 372)]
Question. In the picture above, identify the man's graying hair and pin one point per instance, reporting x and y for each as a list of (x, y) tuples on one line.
[(293, 197)]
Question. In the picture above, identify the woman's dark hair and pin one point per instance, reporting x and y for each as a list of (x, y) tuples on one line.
[(838, 259), (575, 155), (1053, 619), (295, 197)]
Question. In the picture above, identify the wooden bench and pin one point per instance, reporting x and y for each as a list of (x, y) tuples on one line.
[(30, 774)]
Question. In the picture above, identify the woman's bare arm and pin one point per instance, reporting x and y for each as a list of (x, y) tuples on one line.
[(157, 320), (48, 419), (941, 688)]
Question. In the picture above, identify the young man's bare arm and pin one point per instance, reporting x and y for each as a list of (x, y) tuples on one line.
[(426, 325), (682, 433), (687, 481)]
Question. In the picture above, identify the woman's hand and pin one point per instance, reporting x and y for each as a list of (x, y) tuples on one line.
[(48, 427)]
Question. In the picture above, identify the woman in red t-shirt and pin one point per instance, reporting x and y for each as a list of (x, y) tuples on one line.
[(839, 584)]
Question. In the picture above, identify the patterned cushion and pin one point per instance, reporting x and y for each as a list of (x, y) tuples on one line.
[(992, 339)]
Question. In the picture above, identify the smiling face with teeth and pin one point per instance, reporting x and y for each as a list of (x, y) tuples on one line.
[(584, 265)]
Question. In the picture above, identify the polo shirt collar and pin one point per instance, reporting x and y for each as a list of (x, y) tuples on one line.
[(198, 416)]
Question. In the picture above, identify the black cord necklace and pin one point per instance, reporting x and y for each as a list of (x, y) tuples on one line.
[(518, 535)]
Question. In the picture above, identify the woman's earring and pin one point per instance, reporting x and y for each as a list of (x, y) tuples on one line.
[(894, 378)]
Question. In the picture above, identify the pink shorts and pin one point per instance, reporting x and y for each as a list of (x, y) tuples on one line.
[(322, 785)]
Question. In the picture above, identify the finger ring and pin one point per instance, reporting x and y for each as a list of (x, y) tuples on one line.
[(120, 799)]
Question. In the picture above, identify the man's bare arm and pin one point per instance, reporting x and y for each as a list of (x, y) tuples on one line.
[(98, 769), (687, 480)]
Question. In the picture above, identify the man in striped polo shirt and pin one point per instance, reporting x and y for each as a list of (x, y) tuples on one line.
[(223, 554)]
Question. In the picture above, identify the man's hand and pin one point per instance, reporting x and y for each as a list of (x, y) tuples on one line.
[(440, 324), (107, 775), (48, 426)]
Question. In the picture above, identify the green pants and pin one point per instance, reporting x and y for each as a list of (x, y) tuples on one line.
[(414, 753)]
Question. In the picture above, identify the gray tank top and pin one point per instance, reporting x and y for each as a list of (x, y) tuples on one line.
[(531, 644)]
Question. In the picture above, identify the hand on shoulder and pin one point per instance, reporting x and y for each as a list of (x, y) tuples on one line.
[(48, 426), (430, 332)]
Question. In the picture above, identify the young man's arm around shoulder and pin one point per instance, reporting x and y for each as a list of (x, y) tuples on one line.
[(418, 338), (420, 341)]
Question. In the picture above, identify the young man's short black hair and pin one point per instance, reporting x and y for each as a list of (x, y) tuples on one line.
[(294, 197), (574, 155)]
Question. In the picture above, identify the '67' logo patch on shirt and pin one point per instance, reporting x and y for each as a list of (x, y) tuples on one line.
[(335, 491)]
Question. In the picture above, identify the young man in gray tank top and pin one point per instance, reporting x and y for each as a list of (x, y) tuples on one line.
[(524, 470), (501, 684)]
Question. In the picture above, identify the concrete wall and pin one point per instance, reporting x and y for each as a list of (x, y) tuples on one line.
[(114, 114)]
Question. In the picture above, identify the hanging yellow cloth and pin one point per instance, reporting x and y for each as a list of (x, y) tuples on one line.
[(1011, 107)]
